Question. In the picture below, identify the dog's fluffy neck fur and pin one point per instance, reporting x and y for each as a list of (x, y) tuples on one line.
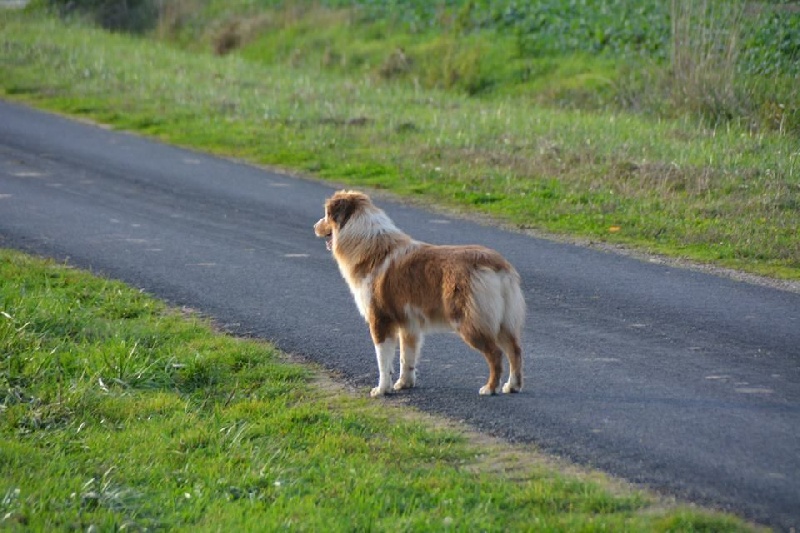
[(364, 248), (370, 236)]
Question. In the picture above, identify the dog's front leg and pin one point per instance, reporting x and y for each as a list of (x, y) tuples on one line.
[(410, 345), (384, 351)]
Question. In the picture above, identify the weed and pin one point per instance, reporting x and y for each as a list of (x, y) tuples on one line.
[(704, 57), (396, 64)]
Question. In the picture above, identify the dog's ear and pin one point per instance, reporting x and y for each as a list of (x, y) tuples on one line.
[(340, 210)]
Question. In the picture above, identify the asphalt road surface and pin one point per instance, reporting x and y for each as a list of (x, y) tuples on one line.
[(680, 380)]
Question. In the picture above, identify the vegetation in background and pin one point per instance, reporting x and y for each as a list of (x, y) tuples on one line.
[(119, 413), (722, 60), (724, 194)]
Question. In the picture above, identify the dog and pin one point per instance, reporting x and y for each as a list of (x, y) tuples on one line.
[(405, 288)]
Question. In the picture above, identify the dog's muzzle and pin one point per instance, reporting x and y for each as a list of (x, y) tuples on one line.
[(320, 231)]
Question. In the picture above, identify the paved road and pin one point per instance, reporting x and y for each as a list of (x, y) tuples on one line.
[(684, 381)]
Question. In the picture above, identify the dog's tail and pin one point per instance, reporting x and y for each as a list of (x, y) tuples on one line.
[(498, 302), (513, 304)]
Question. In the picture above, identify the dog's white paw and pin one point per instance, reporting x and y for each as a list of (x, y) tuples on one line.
[(403, 384), (407, 380), (486, 390), (508, 387), (378, 391)]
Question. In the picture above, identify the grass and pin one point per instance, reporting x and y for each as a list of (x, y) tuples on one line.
[(629, 56), (119, 412), (724, 195)]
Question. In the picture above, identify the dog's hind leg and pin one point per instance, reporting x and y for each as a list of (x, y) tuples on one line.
[(493, 354), (410, 346), (494, 358), (511, 347)]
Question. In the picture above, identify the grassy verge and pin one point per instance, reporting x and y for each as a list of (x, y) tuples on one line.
[(721, 195), (118, 412)]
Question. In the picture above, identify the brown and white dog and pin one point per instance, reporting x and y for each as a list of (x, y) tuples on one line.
[(404, 288)]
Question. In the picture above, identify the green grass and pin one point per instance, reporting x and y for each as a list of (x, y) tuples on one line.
[(119, 412), (723, 195), (662, 58)]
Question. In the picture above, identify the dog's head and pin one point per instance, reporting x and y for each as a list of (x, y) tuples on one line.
[(339, 209)]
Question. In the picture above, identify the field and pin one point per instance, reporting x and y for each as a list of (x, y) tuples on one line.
[(120, 413), (299, 92), (728, 60)]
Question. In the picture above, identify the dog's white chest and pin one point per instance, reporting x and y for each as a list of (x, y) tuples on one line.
[(362, 294)]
